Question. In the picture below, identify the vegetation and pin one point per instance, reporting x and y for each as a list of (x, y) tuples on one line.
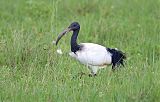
[(32, 71)]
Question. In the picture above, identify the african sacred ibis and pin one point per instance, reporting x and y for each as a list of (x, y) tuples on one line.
[(93, 55)]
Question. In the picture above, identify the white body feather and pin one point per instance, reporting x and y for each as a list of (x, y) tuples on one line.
[(93, 55)]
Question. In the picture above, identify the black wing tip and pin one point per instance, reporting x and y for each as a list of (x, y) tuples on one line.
[(118, 57)]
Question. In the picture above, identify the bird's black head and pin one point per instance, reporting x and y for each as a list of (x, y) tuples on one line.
[(74, 26)]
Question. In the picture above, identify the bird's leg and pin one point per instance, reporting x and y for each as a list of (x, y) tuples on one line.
[(92, 75), (94, 71)]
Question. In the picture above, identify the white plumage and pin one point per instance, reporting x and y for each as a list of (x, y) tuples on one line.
[(93, 55)]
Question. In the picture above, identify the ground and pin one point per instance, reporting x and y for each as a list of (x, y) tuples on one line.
[(32, 71)]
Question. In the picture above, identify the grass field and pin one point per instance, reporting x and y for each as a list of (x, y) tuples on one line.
[(32, 71)]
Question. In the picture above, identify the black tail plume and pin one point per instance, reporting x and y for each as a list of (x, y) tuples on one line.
[(118, 57)]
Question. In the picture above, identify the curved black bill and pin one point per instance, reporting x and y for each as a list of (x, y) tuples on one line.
[(62, 34)]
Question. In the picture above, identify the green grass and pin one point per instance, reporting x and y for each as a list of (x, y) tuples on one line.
[(32, 71)]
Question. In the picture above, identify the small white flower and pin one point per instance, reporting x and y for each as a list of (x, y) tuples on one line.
[(59, 51)]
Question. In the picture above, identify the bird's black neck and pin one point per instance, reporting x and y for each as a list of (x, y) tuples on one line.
[(74, 46)]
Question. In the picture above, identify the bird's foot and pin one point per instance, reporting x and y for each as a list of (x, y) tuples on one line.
[(92, 75)]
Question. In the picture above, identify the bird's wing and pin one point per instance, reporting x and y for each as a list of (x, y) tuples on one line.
[(93, 54)]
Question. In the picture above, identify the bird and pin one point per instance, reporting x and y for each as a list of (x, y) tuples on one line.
[(94, 56)]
